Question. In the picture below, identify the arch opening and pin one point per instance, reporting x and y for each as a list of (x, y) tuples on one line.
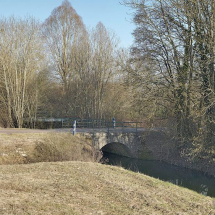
[(117, 148)]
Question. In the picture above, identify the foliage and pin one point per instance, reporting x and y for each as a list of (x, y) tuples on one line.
[(173, 62)]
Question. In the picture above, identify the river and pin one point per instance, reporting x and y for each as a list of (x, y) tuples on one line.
[(191, 179)]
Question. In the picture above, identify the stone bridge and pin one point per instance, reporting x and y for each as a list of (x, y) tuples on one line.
[(145, 144)]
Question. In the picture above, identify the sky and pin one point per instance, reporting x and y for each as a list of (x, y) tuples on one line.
[(111, 13)]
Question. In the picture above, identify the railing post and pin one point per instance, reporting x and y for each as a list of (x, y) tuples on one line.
[(114, 122), (74, 127)]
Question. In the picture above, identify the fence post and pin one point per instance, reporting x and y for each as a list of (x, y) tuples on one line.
[(114, 122), (74, 127)]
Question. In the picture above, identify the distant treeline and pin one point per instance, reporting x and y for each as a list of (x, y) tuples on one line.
[(60, 68)]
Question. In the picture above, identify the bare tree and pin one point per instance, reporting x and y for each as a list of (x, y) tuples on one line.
[(104, 44), (20, 58), (62, 31), (178, 37)]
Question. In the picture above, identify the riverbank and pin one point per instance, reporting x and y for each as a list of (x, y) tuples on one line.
[(91, 188), (191, 179), (164, 147)]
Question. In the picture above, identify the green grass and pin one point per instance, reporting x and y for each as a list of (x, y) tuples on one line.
[(91, 188)]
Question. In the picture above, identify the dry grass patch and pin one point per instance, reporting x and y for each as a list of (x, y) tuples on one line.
[(63, 147), (37, 147), (91, 188), (15, 148)]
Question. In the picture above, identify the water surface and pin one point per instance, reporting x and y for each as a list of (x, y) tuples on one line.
[(191, 179)]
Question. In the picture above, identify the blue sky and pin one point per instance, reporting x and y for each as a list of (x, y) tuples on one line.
[(110, 12)]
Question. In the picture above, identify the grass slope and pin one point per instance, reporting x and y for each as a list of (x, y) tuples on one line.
[(91, 188), (46, 147)]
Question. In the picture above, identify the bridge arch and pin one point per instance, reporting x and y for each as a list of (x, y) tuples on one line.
[(128, 144), (117, 148)]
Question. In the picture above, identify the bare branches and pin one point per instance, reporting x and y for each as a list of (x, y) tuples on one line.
[(20, 59), (178, 36)]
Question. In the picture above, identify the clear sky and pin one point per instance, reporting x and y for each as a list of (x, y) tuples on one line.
[(111, 13)]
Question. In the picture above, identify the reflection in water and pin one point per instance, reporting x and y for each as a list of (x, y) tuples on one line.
[(191, 179)]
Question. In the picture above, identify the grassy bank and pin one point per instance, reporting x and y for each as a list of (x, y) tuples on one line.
[(44, 147), (92, 188), (75, 187)]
